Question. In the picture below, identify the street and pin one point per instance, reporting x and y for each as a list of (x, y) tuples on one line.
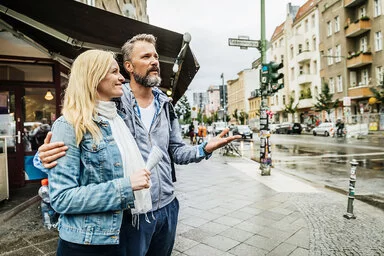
[(326, 160)]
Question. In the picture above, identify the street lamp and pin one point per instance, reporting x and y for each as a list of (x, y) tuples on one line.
[(224, 96)]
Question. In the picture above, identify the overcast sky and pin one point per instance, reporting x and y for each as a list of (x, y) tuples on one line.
[(211, 23)]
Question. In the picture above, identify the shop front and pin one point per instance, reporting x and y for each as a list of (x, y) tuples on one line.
[(38, 47)]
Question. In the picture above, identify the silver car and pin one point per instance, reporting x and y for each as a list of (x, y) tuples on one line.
[(325, 129)]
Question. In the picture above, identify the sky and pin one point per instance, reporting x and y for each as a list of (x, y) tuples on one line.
[(211, 23)]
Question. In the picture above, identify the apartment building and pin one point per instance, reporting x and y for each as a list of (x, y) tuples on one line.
[(358, 47), (134, 9), (295, 44), (240, 89), (215, 101)]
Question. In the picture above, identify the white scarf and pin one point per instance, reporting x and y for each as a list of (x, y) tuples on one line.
[(130, 154)]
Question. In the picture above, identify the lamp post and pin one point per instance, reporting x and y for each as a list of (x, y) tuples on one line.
[(224, 96)]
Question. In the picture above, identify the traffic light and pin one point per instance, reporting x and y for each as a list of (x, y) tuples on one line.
[(275, 76)]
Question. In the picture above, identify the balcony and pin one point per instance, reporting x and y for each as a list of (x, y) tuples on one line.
[(304, 79), (359, 92), (304, 56), (305, 103), (352, 3), (359, 60), (357, 28)]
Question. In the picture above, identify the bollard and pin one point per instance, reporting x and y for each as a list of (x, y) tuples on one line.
[(351, 196)]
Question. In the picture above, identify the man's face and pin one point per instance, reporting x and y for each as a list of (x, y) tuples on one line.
[(144, 64)]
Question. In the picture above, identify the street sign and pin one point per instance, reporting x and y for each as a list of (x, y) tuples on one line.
[(244, 43)]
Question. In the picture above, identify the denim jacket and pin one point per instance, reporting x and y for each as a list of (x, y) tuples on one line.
[(87, 186), (164, 133)]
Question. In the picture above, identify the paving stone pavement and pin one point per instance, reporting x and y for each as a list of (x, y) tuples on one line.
[(227, 208)]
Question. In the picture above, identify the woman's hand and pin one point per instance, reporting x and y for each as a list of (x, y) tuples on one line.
[(140, 179)]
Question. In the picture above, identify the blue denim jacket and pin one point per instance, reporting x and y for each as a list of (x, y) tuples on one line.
[(87, 186)]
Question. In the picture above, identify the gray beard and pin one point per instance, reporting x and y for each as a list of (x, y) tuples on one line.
[(147, 81)]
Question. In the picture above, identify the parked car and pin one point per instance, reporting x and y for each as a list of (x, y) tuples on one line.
[(243, 130), (289, 128), (273, 127), (325, 129), (218, 127)]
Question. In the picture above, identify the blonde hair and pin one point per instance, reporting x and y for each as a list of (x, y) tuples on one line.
[(87, 71)]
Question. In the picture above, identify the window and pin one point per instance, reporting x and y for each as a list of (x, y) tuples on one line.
[(300, 49), (314, 44), (377, 7), (306, 25), (330, 56), (329, 28), (331, 85), (364, 44), (282, 58), (338, 53), (364, 77), (314, 67), (362, 11), (379, 75), (277, 100), (339, 83), (313, 21), (291, 52), (307, 46), (292, 74), (281, 42), (283, 99), (378, 41), (337, 24), (301, 70)]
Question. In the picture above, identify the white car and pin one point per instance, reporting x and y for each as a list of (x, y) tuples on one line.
[(325, 129)]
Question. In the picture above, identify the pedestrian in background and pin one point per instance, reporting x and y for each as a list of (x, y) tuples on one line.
[(151, 123), (99, 176)]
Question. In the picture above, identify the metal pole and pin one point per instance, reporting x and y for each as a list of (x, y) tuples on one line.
[(351, 196), (224, 96), (265, 151)]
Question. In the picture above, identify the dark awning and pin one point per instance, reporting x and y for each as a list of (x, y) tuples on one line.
[(66, 28)]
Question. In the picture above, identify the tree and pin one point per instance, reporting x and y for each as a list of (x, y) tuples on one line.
[(243, 117), (289, 108), (325, 102), (379, 91), (236, 115), (183, 109)]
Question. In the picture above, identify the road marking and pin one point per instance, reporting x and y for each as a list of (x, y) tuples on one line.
[(293, 158), (276, 181)]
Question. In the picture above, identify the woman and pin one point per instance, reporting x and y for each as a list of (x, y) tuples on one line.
[(94, 183)]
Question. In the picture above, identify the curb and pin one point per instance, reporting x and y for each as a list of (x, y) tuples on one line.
[(369, 199), (17, 209)]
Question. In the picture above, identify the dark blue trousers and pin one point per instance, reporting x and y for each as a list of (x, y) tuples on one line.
[(151, 239)]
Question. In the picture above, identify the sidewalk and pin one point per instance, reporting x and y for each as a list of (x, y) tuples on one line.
[(227, 208)]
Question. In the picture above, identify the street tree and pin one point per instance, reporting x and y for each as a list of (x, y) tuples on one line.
[(183, 109), (243, 117), (289, 108), (378, 91), (236, 115), (325, 102)]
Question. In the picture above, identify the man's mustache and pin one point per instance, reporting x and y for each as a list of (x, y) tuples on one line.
[(153, 69)]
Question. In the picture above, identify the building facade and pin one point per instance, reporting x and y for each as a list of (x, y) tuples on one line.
[(239, 90)]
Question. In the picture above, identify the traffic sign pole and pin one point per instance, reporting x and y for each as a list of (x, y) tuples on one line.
[(265, 144)]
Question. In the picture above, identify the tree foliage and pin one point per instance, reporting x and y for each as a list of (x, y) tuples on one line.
[(325, 102), (236, 115), (289, 108), (378, 91), (243, 117), (183, 109)]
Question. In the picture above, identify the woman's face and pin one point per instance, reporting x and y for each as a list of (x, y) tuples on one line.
[(111, 85)]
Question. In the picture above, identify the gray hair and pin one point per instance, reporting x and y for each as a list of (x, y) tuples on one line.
[(128, 46)]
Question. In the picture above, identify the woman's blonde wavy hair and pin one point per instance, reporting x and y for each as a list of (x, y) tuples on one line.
[(81, 95)]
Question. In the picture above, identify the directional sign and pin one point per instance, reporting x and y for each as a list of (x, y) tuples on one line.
[(244, 43)]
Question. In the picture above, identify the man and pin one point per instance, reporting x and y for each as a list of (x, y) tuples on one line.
[(151, 123)]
